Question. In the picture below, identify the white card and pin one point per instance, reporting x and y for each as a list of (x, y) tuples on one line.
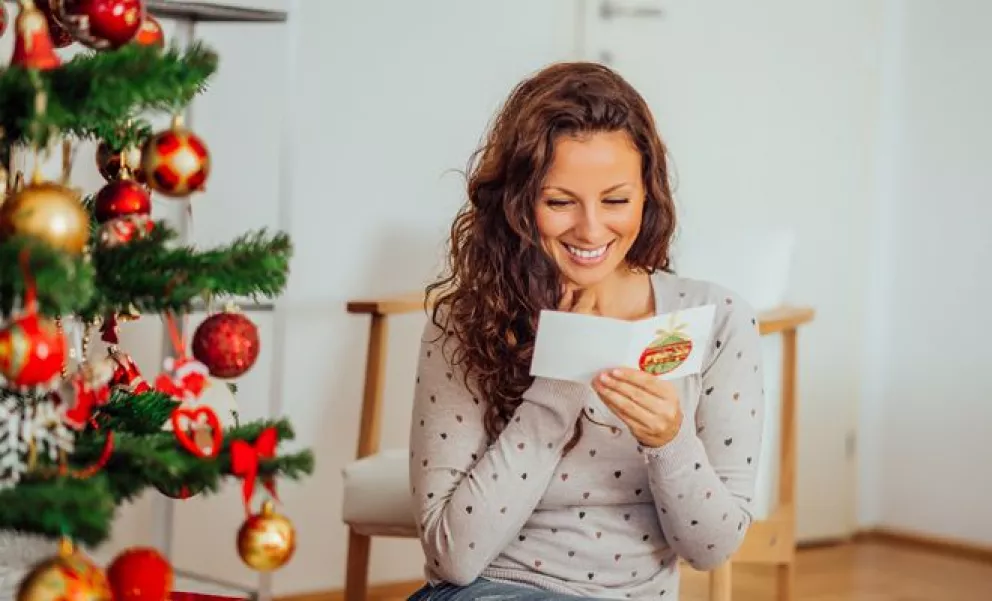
[(577, 347)]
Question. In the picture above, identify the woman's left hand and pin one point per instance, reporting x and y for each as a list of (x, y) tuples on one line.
[(648, 405)]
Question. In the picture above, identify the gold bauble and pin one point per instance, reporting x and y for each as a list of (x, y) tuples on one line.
[(266, 540), (49, 212), (69, 576)]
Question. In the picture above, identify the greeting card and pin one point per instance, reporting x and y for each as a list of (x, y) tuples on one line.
[(577, 347)]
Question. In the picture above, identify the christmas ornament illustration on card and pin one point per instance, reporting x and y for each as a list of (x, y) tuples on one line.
[(670, 349), (576, 347)]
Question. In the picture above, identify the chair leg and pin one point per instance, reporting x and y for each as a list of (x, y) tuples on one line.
[(721, 582), (786, 577), (357, 579)]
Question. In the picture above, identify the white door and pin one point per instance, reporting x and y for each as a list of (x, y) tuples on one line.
[(741, 93)]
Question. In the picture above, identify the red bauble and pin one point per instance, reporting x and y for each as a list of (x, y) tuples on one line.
[(175, 162), (121, 198), (150, 33), (32, 351), (101, 24), (109, 162), (227, 343), (60, 37), (140, 574)]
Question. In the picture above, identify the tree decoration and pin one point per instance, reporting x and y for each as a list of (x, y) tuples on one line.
[(101, 24), (33, 47), (176, 162), (266, 540), (227, 343)]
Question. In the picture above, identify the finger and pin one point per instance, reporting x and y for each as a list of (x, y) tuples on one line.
[(567, 298), (586, 302), (637, 395), (645, 381), (618, 398)]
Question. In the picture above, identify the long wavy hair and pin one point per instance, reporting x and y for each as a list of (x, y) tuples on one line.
[(498, 276)]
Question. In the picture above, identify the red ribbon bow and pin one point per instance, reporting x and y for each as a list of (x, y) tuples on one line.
[(244, 463)]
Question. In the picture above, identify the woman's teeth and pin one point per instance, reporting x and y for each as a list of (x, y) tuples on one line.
[(587, 254)]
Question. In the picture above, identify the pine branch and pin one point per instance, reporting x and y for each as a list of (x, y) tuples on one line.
[(96, 93), (139, 414), (156, 277), (63, 282), (157, 459), (83, 509)]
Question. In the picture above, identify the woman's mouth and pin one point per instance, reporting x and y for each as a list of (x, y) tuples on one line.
[(587, 256)]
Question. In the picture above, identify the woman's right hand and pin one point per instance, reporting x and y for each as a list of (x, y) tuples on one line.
[(578, 300)]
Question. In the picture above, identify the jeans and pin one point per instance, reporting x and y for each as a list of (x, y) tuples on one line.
[(487, 590)]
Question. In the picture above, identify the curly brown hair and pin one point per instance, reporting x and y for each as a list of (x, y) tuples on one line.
[(498, 276)]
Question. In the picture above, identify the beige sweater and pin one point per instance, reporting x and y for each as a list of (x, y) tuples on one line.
[(610, 518)]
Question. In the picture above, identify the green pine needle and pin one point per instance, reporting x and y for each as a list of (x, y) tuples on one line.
[(156, 276), (95, 94), (82, 509), (62, 281)]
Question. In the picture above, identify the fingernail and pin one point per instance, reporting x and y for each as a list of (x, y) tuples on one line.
[(604, 377), (617, 373)]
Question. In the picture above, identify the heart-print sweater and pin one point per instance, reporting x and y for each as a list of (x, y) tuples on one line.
[(610, 518)]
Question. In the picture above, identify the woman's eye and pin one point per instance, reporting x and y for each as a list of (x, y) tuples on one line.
[(616, 201), (558, 202)]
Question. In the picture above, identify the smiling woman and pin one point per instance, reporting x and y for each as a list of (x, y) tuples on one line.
[(537, 489)]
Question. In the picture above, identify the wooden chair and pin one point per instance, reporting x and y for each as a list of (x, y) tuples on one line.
[(770, 541)]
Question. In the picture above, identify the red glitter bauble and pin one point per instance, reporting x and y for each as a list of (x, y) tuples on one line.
[(227, 343)]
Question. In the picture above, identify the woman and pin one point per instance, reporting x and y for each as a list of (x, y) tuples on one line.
[(529, 488)]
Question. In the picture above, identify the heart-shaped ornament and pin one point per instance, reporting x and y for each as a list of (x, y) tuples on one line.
[(198, 430)]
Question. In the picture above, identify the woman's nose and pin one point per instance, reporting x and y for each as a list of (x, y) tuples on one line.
[(590, 225)]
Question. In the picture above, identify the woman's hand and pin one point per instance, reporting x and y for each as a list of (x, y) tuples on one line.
[(577, 300), (648, 405)]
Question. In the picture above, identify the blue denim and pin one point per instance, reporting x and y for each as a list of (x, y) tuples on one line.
[(487, 590)]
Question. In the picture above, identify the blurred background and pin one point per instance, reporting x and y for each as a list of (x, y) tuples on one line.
[(833, 154)]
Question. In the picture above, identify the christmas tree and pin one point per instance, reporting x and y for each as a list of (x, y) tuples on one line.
[(82, 431)]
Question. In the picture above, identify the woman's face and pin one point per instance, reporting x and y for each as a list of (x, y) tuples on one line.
[(591, 203)]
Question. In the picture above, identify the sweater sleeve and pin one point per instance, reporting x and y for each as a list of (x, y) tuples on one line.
[(470, 497), (703, 481)]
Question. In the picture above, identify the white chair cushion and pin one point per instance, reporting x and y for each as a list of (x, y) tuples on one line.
[(377, 499)]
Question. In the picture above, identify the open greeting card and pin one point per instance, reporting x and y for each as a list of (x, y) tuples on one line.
[(576, 347)]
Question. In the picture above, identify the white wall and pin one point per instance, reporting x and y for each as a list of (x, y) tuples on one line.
[(393, 97), (927, 409)]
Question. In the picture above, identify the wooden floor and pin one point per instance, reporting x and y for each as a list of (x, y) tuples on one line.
[(859, 571), (863, 571)]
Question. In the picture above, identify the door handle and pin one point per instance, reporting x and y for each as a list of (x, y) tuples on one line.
[(609, 9)]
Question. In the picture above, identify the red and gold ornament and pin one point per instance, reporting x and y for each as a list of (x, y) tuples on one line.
[(266, 540), (32, 351), (175, 162), (33, 46), (140, 574), (68, 576), (150, 33), (227, 343), (32, 348), (101, 24)]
